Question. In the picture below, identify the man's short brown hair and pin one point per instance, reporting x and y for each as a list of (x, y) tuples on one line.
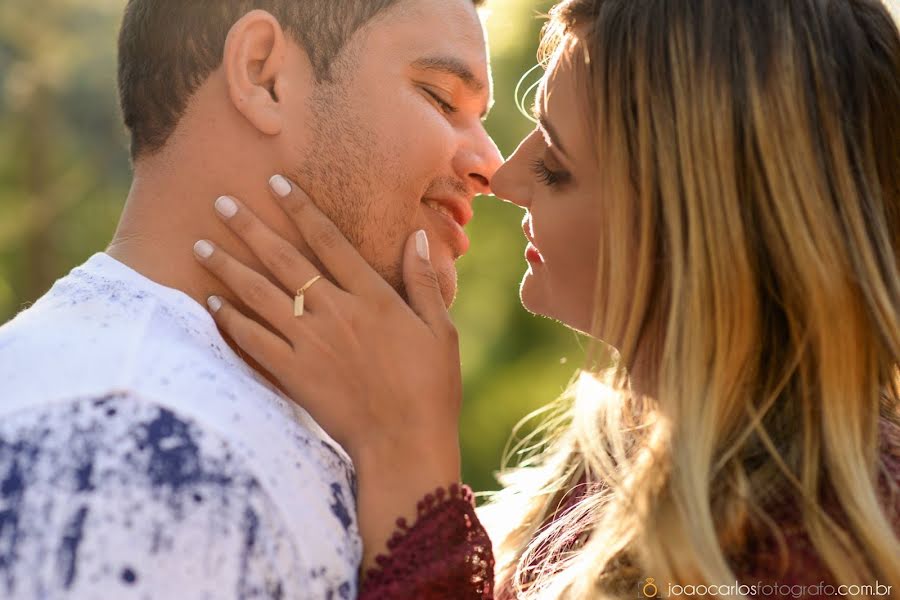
[(167, 49)]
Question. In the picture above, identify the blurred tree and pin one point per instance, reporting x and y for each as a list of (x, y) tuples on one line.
[(62, 159)]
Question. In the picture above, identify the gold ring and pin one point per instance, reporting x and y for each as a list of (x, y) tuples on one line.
[(299, 299)]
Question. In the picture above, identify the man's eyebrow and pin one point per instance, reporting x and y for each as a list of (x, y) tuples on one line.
[(450, 65)]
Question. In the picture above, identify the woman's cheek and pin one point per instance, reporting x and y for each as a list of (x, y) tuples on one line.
[(572, 261)]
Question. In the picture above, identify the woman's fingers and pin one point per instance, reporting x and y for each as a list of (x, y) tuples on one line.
[(258, 293), (262, 345), (342, 260), (281, 259), (423, 288)]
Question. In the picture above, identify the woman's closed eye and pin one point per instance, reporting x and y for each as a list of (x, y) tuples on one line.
[(546, 175)]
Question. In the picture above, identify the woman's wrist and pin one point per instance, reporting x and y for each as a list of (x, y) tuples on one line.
[(410, 459), (392, 482)]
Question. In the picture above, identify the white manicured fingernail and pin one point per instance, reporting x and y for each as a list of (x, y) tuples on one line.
[(214, 303), (422, 245), (226, 207), (280, 185), (203, 249)]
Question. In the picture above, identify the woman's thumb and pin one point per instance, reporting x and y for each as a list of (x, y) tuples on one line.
[(423, 288)]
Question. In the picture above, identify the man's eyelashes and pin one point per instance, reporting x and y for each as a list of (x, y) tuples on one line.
[(443, 104)]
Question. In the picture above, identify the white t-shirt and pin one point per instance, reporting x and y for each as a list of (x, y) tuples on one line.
[(140, 457)]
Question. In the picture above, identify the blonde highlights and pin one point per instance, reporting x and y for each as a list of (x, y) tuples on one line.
[(748, 279)]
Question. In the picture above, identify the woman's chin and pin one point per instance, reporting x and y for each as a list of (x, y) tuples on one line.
[(538, 300), (530, 295)]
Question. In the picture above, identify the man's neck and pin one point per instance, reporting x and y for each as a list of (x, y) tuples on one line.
[(157, 231), (159, 256), (168, 210)]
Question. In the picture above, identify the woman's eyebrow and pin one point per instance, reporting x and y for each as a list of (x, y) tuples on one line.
[(547, 128)]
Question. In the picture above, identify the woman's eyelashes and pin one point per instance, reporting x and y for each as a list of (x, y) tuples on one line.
[(548, 176)]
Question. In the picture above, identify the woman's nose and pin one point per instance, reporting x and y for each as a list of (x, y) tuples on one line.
[(511, 182)]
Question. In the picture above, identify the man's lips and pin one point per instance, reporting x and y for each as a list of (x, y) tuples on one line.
[(460, 208), (451, 225)]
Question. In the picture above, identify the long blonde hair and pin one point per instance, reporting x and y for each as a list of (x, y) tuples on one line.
[(750, 156)]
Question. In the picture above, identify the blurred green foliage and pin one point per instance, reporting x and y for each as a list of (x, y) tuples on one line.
[(64, 175)]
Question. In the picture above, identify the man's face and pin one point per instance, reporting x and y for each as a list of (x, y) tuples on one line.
[(399, 132)]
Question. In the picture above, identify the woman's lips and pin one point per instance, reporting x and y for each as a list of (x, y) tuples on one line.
[(532, 255), (450, 230)]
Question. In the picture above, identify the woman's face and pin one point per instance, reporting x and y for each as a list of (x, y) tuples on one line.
[(553, 176)]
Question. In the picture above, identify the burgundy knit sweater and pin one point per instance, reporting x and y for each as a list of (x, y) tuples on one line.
[(447, 553)]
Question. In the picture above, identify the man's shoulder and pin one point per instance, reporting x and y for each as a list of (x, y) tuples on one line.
[(102, 340), (93, 334), (80, 335), (89, 335)]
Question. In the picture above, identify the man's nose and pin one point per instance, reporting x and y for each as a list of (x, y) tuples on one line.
[(478, 161)]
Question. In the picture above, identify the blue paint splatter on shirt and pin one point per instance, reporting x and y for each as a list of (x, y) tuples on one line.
[(73, 475), (339, 508)]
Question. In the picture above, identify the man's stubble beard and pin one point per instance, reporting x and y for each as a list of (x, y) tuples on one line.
[(347, 172)]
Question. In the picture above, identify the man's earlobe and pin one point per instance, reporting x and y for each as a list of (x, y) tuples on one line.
[(254, 58)]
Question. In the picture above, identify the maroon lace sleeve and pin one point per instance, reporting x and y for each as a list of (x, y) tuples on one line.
[(445, 554)]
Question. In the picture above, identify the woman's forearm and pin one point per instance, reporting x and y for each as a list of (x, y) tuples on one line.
[(391, 486)]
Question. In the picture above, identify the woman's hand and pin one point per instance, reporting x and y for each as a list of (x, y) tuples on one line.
[(381, 376)]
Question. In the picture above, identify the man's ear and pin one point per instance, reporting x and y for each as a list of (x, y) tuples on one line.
[(254, 60)]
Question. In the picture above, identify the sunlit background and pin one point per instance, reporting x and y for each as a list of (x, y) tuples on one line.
[(64, 175)]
